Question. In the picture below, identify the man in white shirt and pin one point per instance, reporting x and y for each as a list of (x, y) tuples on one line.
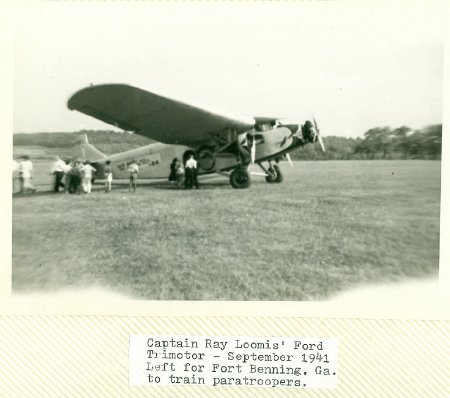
[(26, 174), (88, 171), (191, 173), (133, 168), (58, 170)]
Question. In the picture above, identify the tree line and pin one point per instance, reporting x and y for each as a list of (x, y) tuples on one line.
[(106, 141), (377, 143), (64, 140)]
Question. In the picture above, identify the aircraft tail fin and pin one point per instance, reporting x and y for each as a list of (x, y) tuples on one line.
[(90, 152)]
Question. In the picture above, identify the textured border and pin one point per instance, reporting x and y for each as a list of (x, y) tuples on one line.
[(68, 356), (73, 356)]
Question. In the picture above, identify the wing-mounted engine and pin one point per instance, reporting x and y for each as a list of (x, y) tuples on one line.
[(223, 151), (206, 158)]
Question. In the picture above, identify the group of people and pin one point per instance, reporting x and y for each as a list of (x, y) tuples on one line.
[(78, 175), (73, 175), (187, 175)]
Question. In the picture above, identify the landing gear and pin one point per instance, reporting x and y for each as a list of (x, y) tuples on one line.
[(274, 174), (240, 178)]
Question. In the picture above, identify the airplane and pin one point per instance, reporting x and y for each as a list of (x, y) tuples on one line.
[(221, 143)]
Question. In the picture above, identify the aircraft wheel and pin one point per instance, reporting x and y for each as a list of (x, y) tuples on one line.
[(279, 177), (240, 178), (275, 175)]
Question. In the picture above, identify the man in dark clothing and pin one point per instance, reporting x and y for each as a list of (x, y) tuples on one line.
[(75, 178)]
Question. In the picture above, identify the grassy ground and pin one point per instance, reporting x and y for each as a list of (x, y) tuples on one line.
[(329, 226)]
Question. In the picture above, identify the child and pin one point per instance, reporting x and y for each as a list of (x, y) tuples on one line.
[(179, 173), (108, 175)]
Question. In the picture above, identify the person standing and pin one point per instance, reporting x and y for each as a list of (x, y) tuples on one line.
[(80, 167), (16, 180), (179, 173), (133, 168), (173, 171), (191, 173), (108, 175), (88, 170), (75, 174), (26, 174), (58, 170), (68, 175)]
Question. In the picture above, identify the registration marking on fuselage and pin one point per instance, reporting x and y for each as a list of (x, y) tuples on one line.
[(147, 161)]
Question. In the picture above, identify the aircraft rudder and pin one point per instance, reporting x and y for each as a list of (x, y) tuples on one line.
[(89, 151)]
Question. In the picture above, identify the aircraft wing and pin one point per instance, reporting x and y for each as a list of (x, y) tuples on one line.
[(151, 115)]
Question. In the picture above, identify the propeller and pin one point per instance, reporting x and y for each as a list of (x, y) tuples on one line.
[(253, 150), (319, 137)]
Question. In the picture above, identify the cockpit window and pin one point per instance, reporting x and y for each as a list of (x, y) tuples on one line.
[(263, 127)]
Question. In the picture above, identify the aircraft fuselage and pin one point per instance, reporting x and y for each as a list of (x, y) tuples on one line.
[(154, 159)]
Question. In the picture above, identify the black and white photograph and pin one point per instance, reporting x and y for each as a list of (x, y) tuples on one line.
[(226, 151)]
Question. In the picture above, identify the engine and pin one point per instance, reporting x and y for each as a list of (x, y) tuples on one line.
[(308, 132)]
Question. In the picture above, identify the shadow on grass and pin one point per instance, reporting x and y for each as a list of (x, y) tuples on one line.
[(122, 186), (19, 195)]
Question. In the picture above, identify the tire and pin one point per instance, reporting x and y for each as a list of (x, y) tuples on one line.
[(279, 177), (240, 178), (275, 175)]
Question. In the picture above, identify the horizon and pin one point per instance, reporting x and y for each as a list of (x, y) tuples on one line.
[(283, 60), (119, 131)]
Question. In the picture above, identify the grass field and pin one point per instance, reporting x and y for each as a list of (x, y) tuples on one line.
[(328, 227)]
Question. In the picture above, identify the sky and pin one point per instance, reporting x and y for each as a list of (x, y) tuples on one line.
[(354, 65)]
